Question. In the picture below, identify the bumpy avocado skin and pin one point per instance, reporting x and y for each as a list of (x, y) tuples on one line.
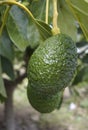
[(53, 64), (43, 103)]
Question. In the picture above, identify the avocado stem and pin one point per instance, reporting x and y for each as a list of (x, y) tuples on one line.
[(55, 29), (47, 9)]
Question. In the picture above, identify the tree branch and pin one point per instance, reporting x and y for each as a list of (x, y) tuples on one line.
[(14, 83)]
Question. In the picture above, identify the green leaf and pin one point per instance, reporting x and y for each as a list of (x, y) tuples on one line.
[(6, 47), (85, 59), (37, 8), (2, 87), (17, 25), (80, 5), (79, 77), (38, 32), (7, 68), (82, 75), (80, 11), (33, 36), (44, 29), (66, 21), (86, 1), (85, 76)]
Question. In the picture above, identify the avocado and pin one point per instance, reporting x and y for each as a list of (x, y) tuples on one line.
[(41, 102), (52, 66)]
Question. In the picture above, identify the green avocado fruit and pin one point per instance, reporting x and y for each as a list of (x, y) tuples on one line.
[(53, 64), (43, 103), (51, 68)]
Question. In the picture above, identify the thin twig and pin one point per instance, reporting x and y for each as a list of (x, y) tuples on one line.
[(55, 14), (47, 9), (55, 29), (17, 81)]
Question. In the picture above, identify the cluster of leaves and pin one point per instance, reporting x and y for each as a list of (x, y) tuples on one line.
[(20, 31)]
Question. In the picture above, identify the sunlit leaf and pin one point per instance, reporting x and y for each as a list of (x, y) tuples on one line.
[(66, 21), (80, 11), (86, 1), (80, 5)]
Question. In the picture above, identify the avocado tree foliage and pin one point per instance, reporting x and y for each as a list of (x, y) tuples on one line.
[(25, 24)]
